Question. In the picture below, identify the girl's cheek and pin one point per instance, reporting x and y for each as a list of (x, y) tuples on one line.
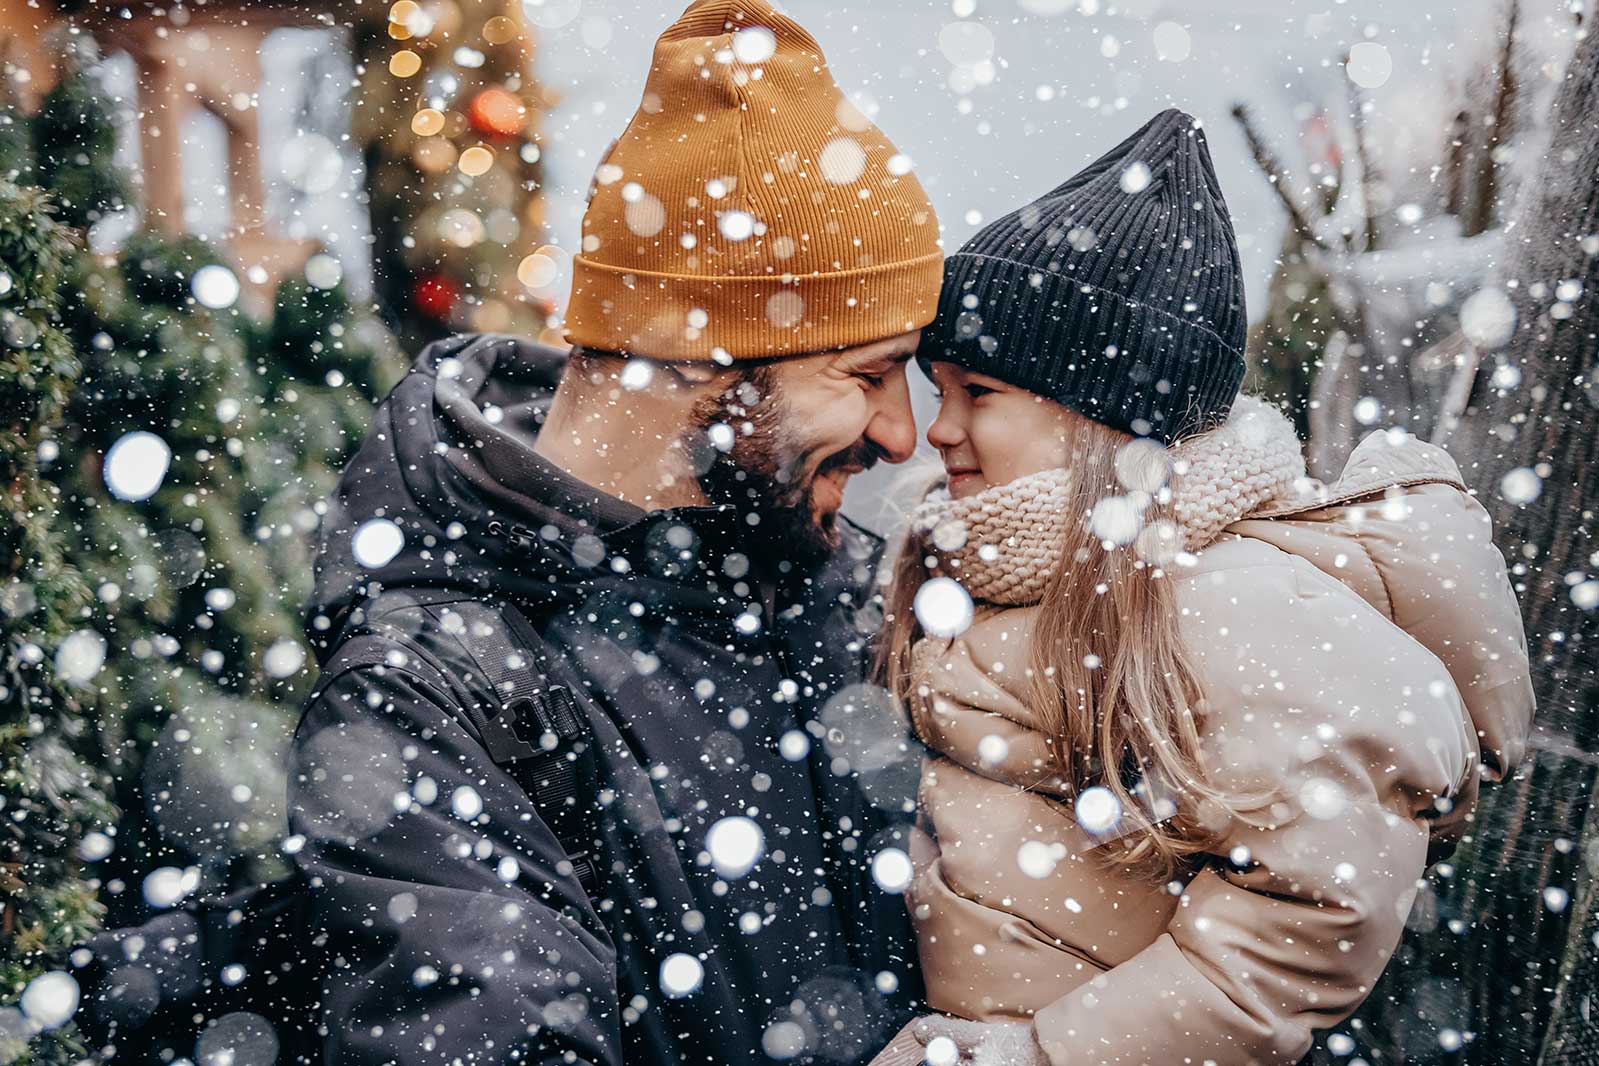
[(991, 441)]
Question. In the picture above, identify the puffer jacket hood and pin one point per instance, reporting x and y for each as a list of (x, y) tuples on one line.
[(416, 509), (1361, 659)]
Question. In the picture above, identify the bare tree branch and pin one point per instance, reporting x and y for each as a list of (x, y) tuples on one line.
[(1277, 175), (1368, 168), (1484, 205)]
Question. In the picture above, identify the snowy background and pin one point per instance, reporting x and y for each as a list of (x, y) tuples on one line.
[(995, 100), (998, 101)]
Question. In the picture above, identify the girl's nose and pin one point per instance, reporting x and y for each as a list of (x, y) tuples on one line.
[(949, 428)]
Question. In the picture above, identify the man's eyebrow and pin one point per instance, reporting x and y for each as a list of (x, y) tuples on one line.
[(891, 358)]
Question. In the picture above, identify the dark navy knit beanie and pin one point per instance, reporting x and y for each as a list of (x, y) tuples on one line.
[(1118, 294)]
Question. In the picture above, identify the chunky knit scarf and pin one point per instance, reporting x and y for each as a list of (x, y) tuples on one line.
[(1004, 543)]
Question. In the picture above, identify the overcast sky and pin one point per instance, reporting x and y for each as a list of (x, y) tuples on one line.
[(1070, 79)]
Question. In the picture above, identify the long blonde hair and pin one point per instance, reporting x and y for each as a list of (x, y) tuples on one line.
[(1110, 675)]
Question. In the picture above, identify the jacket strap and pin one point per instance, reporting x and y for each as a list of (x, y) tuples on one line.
[(536, 730), (539, 733)]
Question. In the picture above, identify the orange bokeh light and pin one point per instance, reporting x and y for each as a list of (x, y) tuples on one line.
[(497, 112)]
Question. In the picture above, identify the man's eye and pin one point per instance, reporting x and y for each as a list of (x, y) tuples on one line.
[(874, 380)]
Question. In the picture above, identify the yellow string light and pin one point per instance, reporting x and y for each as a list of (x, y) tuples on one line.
[(433, 155), (476, 160), (404, 63), (427, 122), (499, 29)]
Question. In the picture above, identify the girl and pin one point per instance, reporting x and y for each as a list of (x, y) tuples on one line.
[(1198, 724)]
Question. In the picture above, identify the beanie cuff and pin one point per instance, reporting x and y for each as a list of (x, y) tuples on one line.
[(640, 312), (1117, 361)]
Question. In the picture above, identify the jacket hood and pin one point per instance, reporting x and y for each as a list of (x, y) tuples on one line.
[(404, 512), (1400, 529)]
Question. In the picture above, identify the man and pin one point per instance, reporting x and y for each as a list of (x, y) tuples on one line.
[(681, 870)]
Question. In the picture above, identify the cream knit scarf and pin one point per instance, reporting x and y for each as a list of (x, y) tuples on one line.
[(1004, 543)]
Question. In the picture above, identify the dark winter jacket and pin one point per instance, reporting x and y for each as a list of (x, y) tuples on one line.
[(457, 929)]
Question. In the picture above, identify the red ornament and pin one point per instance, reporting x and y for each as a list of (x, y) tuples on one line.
[(496, 112), (435, 296)]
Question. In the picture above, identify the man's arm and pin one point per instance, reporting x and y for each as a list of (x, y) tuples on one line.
[(453, 935)]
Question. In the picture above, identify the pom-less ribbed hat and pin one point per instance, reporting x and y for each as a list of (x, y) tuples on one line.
[(1118, 294), (749, 209)]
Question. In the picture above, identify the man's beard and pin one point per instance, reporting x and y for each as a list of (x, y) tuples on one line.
[(764, 472)]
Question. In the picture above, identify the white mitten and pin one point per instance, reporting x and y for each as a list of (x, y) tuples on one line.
[(978, 1043)]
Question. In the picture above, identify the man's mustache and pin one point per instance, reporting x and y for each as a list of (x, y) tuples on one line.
[(862, 456)]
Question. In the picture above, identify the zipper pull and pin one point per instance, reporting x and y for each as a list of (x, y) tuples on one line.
[(521, 536)]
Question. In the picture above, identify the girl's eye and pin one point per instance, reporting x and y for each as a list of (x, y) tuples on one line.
[(974, 391)]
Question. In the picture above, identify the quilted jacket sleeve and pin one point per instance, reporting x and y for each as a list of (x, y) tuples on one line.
[(1291, 920)]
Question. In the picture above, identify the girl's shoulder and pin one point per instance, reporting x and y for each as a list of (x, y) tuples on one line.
[(1306, 685)]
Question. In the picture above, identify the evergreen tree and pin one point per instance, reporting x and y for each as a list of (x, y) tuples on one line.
[(447, 111), (164, 472), (51, 787)]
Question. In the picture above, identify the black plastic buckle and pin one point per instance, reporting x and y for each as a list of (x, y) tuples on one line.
[(524, 726)]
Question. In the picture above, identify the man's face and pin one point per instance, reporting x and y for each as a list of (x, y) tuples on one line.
[(789, 434)]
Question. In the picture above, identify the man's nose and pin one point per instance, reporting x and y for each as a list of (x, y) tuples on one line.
[(893, 426)]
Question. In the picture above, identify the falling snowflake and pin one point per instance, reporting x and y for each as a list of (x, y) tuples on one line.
[(735, 844), (892, 870), (943, 607), (1098, 810), (1370, 65), (1521, 485), (136, 465), (376, 542), (215, 286), (681, 975), (1135, 178)]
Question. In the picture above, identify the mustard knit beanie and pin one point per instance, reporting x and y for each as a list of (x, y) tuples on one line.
[(749, 209)]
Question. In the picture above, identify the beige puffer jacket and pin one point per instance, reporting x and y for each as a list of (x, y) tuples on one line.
[(1362, 656)]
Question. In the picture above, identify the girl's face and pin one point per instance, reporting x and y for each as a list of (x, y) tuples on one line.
[(990, 433)]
